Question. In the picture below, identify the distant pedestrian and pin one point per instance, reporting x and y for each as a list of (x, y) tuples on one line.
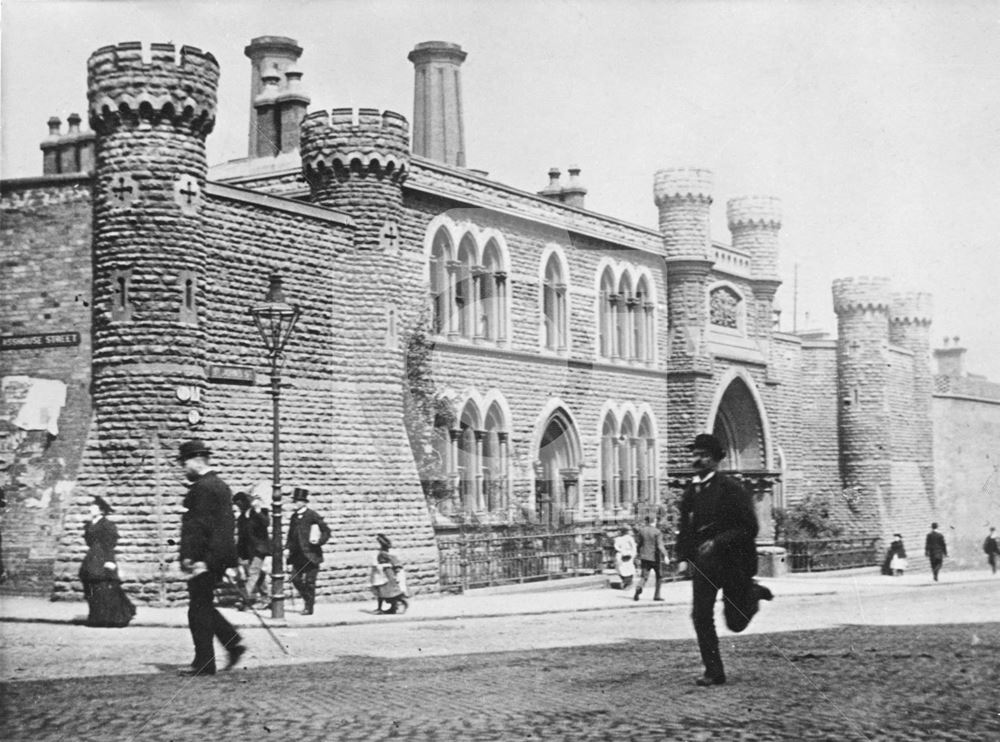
[(652, 554), (895, 557), (991, 546), (252, 546), (208, 551), (717, 542), (935, 549), (625, 554), (307, 532), (99, 573), (393, 578)]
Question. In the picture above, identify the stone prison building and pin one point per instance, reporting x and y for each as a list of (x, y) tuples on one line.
[(556, 360)]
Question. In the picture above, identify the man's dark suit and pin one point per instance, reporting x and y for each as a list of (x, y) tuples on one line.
[(303, 556), (721, 513), (936, 550), (207, 537)]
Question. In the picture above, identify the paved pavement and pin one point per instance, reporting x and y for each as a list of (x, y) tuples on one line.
[(558, 596), (833, 658)]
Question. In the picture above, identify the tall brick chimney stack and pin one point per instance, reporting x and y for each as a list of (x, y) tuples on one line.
[(268, 55), (438, 132)]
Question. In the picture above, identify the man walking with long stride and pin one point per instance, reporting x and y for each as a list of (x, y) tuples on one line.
[(717, 542), (208, 549)]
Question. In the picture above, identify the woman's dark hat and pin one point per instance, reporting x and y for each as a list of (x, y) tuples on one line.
[(192, 448), (300, 495), (384, 541), (103, 505), (709, 443), (241, 498)]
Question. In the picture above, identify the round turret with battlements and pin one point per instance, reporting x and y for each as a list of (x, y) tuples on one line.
[(684, 199), (151, 111)]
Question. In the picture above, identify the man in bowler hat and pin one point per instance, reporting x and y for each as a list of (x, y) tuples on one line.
[(307, 532), (717, 543), (207, 551), (252, 545)]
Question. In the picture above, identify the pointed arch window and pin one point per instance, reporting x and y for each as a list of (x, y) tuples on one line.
[(493, 294), (646, 461), (441, 286), (608, 302), (466, 281), (554, 305), (625, 318), (644, 336), (626, 463), (609, 462)]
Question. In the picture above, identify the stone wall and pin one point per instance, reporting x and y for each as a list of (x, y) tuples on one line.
[(44, 288), (967, 465)]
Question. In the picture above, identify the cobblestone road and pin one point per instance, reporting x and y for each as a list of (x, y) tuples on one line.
[(910, 682)]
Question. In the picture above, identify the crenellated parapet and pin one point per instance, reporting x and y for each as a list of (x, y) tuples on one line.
[(912, 308), (683, 184), (861, 294), (345, 140), (684, 198), (126, 86), (754, 212)]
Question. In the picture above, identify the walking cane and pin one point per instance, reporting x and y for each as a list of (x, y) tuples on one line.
[(241, 588)]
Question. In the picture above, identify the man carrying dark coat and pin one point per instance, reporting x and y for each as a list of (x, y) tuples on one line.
[(252, 544), (935, 549), (307, 532), (717, 542), (207, 551)]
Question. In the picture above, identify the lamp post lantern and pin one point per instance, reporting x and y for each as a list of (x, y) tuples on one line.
[(275, 319)]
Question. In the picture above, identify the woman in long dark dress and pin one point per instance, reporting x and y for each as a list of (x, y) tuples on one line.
[(109, 605)]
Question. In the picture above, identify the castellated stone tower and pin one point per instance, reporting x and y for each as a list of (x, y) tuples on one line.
[(684, 199), (356, 161), (151, 119), (909, 328), (862, 307), (754, 223)]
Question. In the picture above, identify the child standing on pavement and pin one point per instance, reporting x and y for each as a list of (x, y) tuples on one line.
[(393, 589)]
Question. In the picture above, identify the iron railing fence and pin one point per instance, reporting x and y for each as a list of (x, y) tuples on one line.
[(508, 555), (823, 555)]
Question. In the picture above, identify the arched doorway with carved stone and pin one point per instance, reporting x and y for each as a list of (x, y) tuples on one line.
[(739, 421), (557, 469)]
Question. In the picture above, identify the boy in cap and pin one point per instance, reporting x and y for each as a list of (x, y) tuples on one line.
[(207, 551), (307, 532), (717, 542)]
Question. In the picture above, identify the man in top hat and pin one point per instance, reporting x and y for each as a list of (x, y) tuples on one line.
[(935, 549), (717, 543), (207, 551), (307, 532)]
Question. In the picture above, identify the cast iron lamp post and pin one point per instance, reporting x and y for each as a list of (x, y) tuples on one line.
[(275, 319)]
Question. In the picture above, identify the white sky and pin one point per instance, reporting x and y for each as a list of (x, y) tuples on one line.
[(878, 124)]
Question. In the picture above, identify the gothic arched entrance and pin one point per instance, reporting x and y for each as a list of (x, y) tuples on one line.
[(557, 469), (740, 425)]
